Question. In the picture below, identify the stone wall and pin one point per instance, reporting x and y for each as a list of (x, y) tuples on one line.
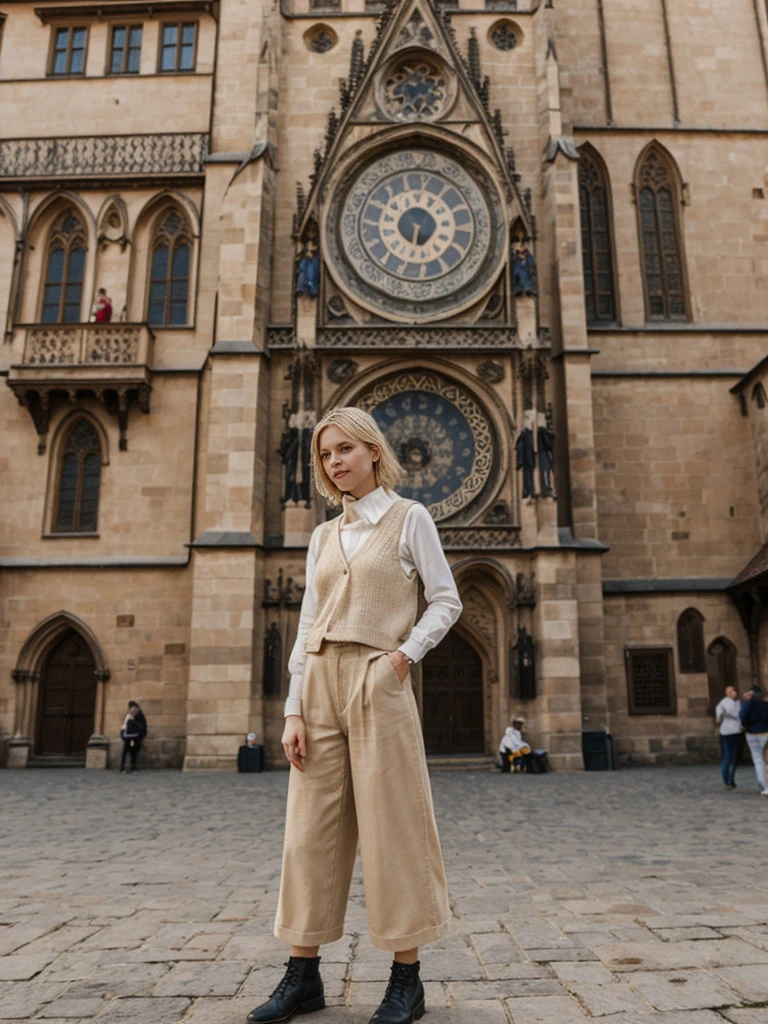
[(651, 619)]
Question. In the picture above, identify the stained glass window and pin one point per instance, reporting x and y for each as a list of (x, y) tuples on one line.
[(169, 273), (658, 203), (596, 248), (78, 499)]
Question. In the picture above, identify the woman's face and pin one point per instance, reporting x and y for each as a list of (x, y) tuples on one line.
[(347, 462), (730, 691)]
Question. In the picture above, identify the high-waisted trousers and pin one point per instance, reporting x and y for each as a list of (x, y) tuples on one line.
[(365, 779)]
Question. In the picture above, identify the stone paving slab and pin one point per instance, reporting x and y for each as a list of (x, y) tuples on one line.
[(613, 902)]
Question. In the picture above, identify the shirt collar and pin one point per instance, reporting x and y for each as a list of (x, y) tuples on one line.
[(371, 507)]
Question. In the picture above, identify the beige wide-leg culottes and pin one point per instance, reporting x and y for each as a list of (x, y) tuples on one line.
[(366, 778)]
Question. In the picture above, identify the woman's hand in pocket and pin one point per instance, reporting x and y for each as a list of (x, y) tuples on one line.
[(295, 740), (399, 663)]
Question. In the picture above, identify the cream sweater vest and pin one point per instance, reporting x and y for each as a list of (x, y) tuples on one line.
[(370, 601)]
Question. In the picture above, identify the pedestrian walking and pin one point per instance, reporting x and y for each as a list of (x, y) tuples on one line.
[(133, 731), (754, 718), (352, 732), (728, 718)]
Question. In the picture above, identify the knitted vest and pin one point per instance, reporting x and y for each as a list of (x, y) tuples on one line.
[(370, 601)]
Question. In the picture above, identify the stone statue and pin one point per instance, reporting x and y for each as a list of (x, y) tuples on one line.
[(308, 272), (526, 665), (545, 437), (526, 455), (273, 659), (290, 442), (524, 277)]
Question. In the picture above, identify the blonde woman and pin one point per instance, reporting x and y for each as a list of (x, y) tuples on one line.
[(352, 732)]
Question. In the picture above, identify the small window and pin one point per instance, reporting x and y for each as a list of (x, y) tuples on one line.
[(68, 57), (690, 641), (78, 498), (650, 681), (126, 50), (178, 46)]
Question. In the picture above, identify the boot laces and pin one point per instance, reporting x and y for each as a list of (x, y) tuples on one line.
[(289, 978), (400, 981)]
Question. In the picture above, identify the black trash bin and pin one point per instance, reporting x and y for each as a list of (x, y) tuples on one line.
[(250, 759), (597, 749)]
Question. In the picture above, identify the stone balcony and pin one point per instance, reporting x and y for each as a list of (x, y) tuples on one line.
[(62, 361)]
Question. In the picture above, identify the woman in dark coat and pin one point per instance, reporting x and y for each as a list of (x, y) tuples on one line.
[(132, 733)]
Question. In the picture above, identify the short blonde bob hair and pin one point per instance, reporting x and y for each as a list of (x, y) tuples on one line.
[(360, 426)]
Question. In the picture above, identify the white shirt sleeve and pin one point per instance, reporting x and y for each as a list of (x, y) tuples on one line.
[(306, 621), (420, 549)]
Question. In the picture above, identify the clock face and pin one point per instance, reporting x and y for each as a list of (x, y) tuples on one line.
[(440, 436), (415, 235), (417, 226)]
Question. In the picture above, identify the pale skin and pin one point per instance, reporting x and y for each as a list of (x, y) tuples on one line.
[(354, 459)]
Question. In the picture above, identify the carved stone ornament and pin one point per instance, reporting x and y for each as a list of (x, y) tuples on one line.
[(442, 437), (341, 370), (282, 594), (491, 372), (479, 538), (414, 235), (499, 515), (104, 155)]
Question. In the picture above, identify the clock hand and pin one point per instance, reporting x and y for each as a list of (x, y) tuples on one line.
[(415, 234)]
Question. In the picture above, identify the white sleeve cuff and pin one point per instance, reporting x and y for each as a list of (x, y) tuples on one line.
[(412, 649), (292, 706)]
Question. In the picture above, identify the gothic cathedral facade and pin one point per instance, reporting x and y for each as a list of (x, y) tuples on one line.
[(529, 237)]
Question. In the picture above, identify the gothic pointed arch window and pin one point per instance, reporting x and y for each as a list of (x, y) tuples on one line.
[(64, 271), (690, 641), (170, 262), (596, 239), (659, 199), (77, 503)]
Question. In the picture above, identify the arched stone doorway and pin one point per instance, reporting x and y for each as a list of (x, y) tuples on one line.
[(53, 672), (452, 698), (67, 702)]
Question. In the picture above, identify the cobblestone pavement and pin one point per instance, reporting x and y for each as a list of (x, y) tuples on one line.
[(639, 896)]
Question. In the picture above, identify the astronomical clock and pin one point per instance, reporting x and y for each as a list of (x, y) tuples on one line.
[(415, 235), (409, 217)]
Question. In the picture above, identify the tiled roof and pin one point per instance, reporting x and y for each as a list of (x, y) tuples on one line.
[(756, 571)]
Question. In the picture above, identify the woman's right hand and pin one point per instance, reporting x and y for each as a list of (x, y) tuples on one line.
[(295, 740)]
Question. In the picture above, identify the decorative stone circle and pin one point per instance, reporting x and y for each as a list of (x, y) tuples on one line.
[(320, 39), (414, 90), (504, 35)]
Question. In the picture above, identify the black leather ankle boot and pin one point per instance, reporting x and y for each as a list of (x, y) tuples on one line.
[(403, 1001), (300, 991)]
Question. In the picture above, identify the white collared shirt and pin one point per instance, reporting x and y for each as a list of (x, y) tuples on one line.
[(419, 551), (727, 716)]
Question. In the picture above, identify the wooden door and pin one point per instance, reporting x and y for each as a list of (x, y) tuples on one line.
[(67, 698), (452, 677), (721, 670)]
